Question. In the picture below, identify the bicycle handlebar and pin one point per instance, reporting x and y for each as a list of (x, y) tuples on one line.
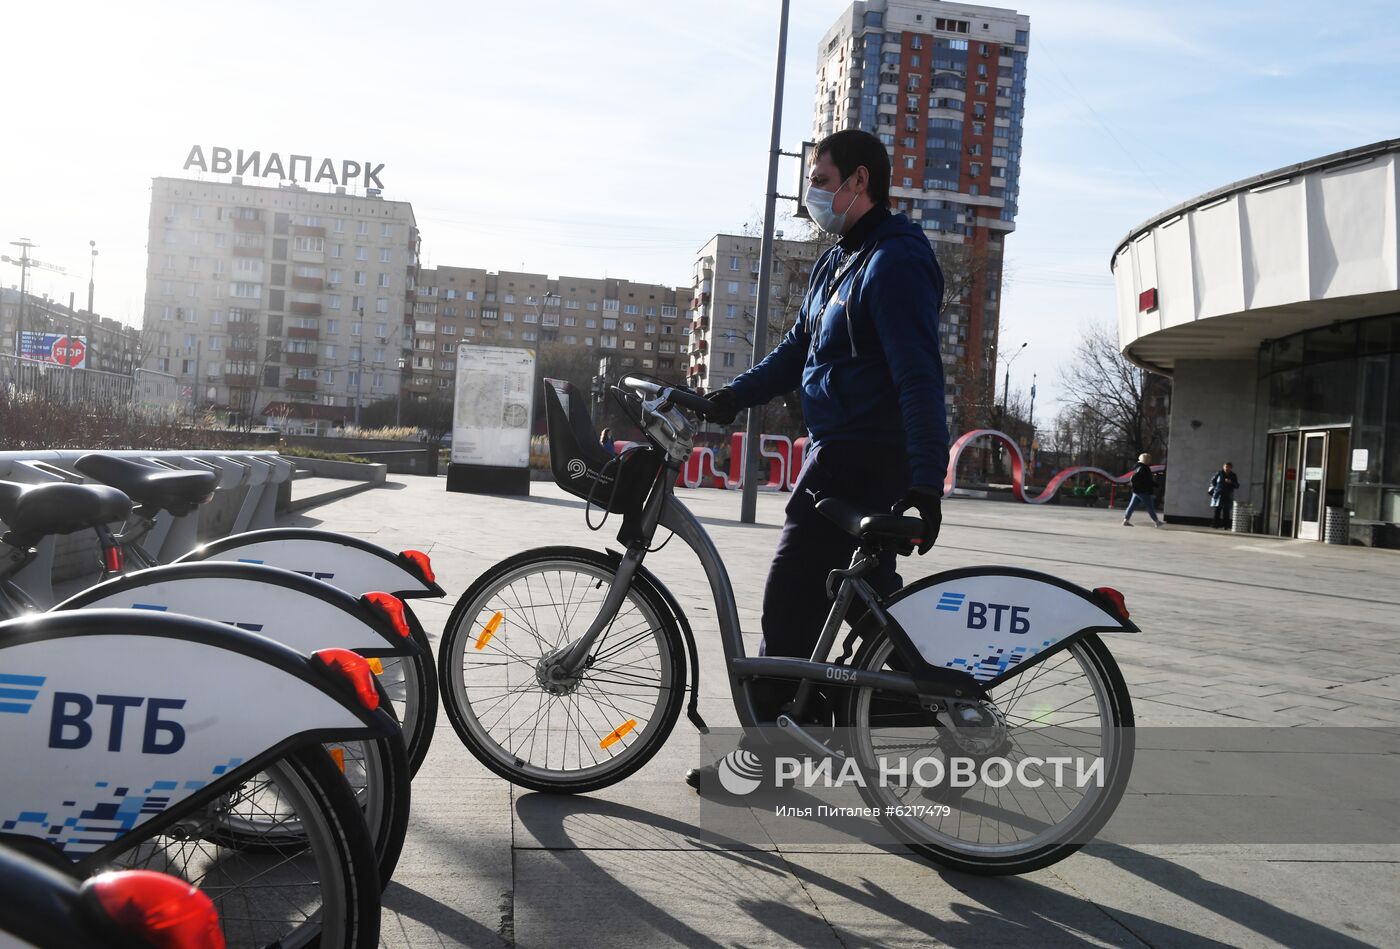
[(684, 398)]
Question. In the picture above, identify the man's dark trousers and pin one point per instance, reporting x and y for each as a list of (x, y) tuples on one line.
[(795, 604)]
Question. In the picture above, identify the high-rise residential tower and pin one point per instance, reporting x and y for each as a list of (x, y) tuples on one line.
[(943, 86)]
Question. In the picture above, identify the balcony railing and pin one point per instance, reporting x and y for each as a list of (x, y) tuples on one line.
[(304, 230), (300, 359), (239, 380), (243, 224), (304, 332), (242, 349), (299, 385), (247, 251), (305, 309), (308, 283)]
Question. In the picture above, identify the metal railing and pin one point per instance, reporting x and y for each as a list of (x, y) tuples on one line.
[(151, 392)]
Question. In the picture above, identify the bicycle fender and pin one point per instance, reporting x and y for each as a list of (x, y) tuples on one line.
[(295, 610), (117, 719), (692, 710), (350, 563), (992, 621)]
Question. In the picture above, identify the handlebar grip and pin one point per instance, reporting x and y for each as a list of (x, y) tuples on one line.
[(689, 400), (646, 385)]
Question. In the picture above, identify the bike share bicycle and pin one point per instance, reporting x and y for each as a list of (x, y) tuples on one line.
[(563, 669), (140, 740), (349, 563), (297, 611)]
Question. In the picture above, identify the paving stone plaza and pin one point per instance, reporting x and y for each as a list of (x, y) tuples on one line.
[(1237, 631)]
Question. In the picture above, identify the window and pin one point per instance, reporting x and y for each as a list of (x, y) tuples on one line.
[(356, 329), (728, 361), (668, 309), (332, 326), (384, 280), (733, 263), (732, 286), (362, 228), (386, 230), (249, 291), (359, 278), (381, 330), (386, 255), (730, 311), (610, 306), (381, 305), (609, 324), (362, 253), (333, 301), (510, 298), (630, 308), (313, 245)]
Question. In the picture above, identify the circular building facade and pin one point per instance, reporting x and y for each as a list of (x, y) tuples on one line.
[(1274, 305)]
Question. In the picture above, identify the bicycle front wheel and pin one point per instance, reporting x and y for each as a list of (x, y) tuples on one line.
[(315, 885), (411, 684), (1072, 706), (566, 737)]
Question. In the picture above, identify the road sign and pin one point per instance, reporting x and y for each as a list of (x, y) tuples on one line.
[(69, 351)]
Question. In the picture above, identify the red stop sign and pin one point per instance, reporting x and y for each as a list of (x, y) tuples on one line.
[(69, 351)]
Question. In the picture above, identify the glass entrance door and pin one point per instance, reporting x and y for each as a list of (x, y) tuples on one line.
[(1313, 478), (1282, 509)]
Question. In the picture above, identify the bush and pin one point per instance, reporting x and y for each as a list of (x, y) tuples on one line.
[(30, 424)]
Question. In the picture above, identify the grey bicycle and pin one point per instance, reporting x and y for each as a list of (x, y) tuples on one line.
[(564, 669)]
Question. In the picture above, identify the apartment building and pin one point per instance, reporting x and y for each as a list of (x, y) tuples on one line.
[(280, 294), (943, 86), (641, 324), (724, 298)]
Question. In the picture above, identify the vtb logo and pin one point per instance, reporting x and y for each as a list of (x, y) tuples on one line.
[(75, 721), (1017, 618)]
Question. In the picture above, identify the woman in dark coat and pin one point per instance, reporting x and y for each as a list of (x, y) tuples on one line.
[(1222, 491)]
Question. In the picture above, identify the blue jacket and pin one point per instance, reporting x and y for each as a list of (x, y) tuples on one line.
[(865, 350)]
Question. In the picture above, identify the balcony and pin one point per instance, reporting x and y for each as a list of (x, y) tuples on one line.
[(304, 309), (299, 385), (248, 251), (308, 283), (303, 230), (242, 349), (240, 380), (299, 359), (700, 324), (303, 332), (243, 224)]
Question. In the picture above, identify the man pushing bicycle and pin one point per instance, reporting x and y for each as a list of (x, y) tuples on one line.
[(864, 352)]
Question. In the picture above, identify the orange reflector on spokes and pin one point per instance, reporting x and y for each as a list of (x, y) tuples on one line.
[(616, 735), (493, 624), (338, 756), (375, 665)]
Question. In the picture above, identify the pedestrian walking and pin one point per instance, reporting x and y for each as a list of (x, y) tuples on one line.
[(605, 439), (1143, 484), (1222, 492)]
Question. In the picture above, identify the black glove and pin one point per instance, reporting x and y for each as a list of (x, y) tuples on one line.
[(929, 503), (724, 406)]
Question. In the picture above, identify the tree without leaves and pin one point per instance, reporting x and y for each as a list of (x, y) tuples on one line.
[(1113, 401)]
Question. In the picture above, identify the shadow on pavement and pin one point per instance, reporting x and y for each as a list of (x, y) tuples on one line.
[(999, 910)]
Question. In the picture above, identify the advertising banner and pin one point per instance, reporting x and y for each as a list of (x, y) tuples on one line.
[(494, 404), (56, 348)]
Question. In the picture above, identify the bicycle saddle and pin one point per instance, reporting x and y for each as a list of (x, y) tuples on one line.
[(865, 526), (33, 511), (162, 489)]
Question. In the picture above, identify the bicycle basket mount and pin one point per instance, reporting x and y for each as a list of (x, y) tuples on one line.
[(581, 466)]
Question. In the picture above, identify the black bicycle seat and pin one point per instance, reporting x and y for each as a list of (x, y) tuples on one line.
[(33, 511), (161, 489), (866, 526)]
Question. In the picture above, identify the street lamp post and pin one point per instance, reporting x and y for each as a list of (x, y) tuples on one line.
[(1006, 387), (92, 272), (24, 246)]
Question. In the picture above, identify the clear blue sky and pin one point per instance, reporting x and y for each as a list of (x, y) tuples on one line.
[(612, 137)]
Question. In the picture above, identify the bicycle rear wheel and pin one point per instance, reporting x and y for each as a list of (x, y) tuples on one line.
[(567, 737), (1073, 705), (412, 686), (316, 886)]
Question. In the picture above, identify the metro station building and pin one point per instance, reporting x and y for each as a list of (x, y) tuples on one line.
[(1274, 305)]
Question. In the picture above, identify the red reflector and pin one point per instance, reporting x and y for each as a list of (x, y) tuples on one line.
[(391, 608), (112, 559), (1116, 598), (421, 561), (356, 671), (162, 910)]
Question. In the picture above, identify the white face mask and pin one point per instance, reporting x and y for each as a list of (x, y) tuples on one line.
[(819, 204)]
